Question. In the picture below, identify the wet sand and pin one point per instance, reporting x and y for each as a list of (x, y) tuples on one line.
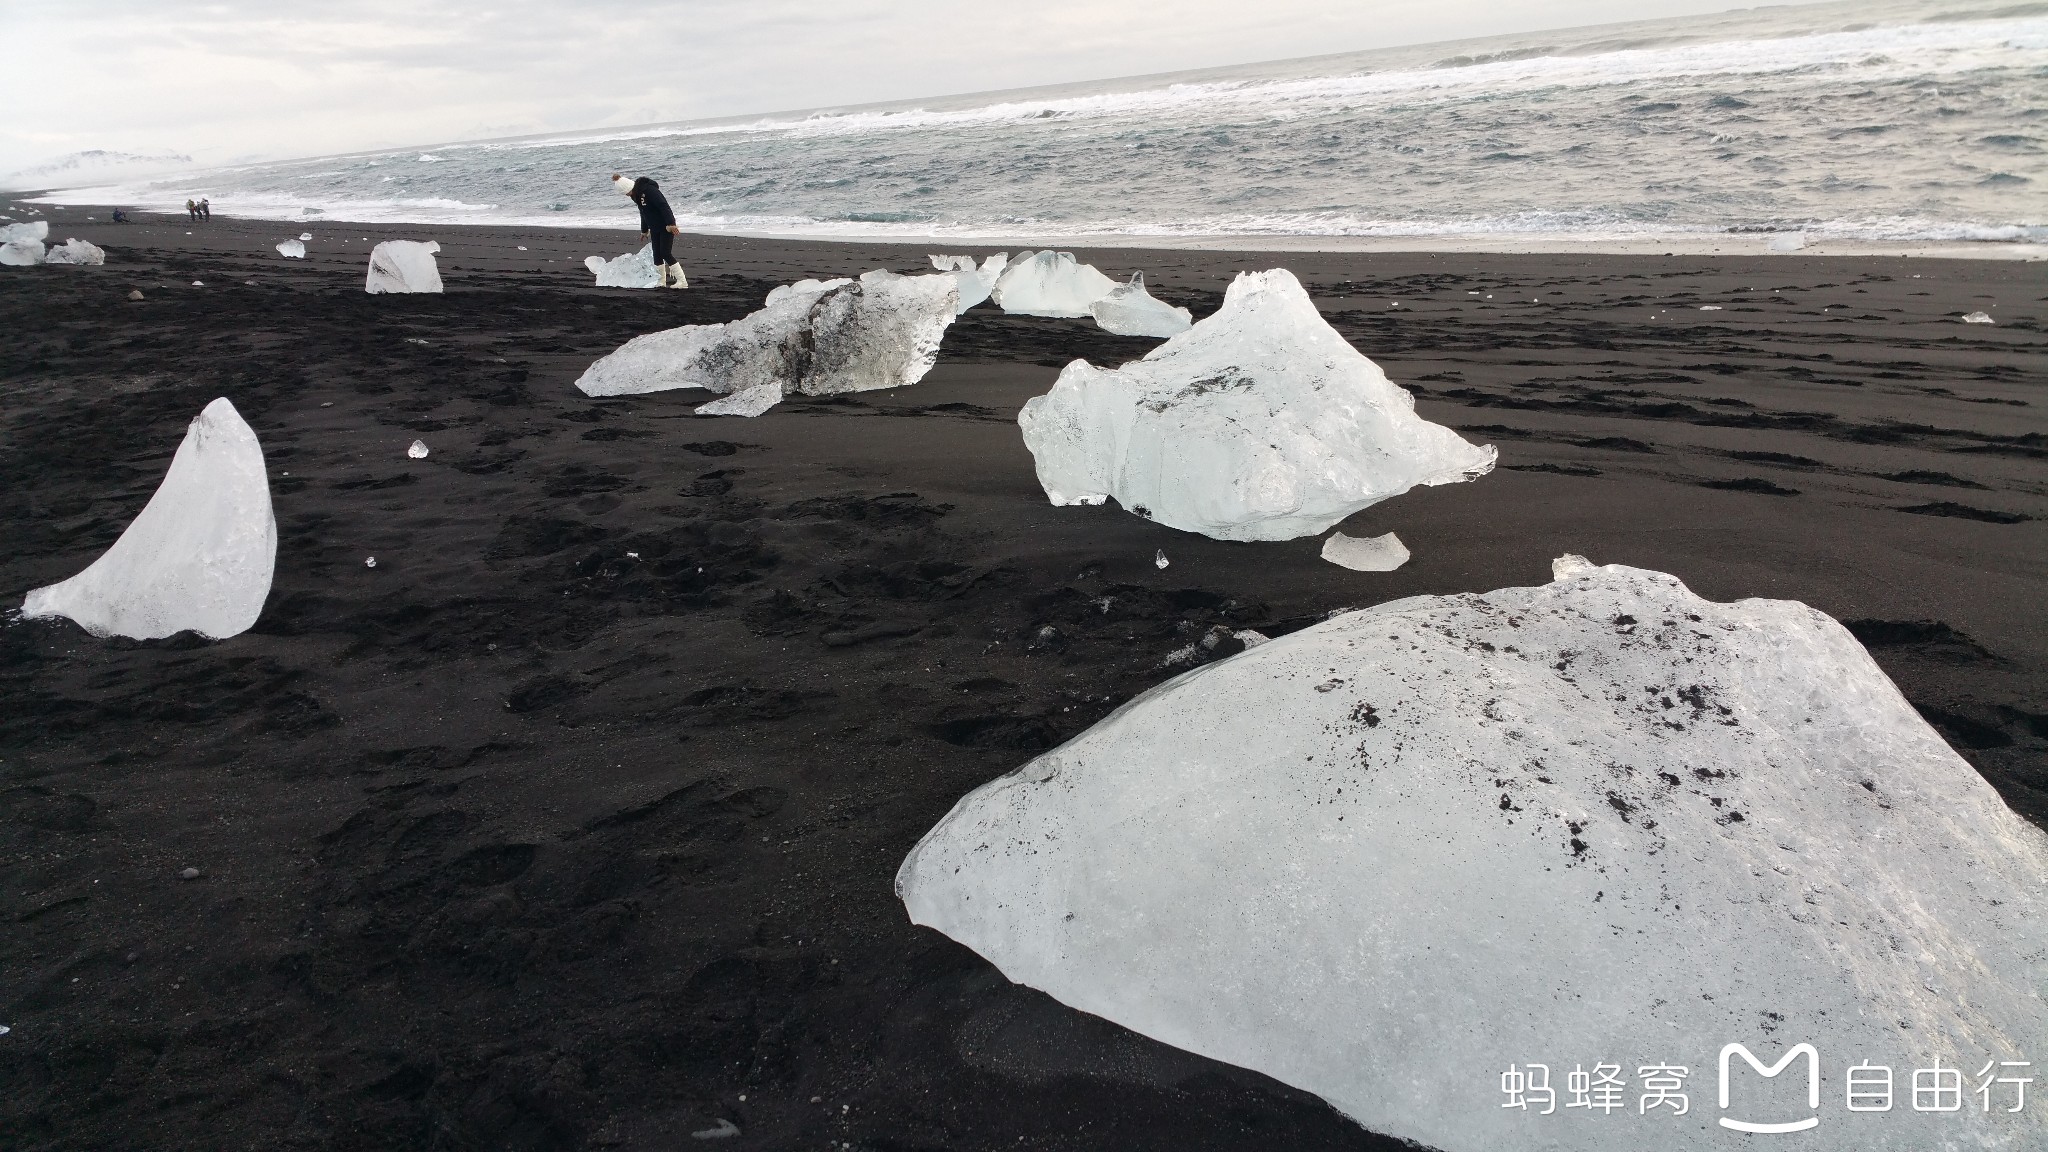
[(520, 840)]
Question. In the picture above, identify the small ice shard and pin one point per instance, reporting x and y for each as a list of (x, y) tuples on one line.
[(199, 557), (1571, 566), (1132, 311), (404, 266), (1387, 857), (305, 235), (811, 339), (752, 400), (975, 283), (1979, 318), (369, 561), (135, 293), (1050, 284), (1159, 559), (199, 283), (418, 451), (1251, 639), (1259, 423), (1787, 242), (23, 252), (522, 247), (1365, 554), (725, 1130), (633, 270), (292, 249), (1710, 307)]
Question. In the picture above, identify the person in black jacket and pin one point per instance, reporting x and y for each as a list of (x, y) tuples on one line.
[(657, 224)]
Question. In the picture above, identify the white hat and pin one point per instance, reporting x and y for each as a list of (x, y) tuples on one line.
[(624, 183)]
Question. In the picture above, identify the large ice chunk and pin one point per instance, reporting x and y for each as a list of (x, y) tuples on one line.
[(404, 266), (76, 251), (1388, 857), (1129, 310), (36, 230), (200, 555), (975, 283), (292, 249), (1050, 284), (1259, 423), (633, 270), (811, 338), (22, 253)]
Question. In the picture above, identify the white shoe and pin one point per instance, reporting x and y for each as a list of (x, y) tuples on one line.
[(661, 275), (682, 281)]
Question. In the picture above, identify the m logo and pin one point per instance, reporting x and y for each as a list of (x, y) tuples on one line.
[(1812, 1087)]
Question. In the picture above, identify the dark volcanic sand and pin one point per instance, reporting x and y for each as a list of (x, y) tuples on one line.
[(517, 842)]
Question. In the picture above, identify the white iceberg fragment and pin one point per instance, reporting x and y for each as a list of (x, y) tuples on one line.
[(292, 249), (200, 555), (305, 235), (1787, 242), (1390, 857), (1159, 559), (633, 270), (404, 266), (1129, 310), (418, 450), (22, 253), (811, 339), (1365, 554), (1259, 423), (76, 251), (36, 230), (975, 283), (1979, 318), (750, 401), (1049, 284)]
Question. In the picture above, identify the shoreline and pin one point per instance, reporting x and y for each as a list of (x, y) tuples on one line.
[(1734, 244)]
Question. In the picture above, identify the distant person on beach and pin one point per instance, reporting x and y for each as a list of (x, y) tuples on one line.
[(120, 217), (192, 210), (205, 209), (657, 224)]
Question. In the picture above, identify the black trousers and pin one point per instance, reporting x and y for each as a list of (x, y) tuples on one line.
[(664, 246)]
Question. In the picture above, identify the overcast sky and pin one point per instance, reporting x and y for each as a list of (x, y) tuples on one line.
[(256, 78)]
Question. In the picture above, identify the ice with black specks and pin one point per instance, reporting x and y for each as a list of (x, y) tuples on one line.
[(812, 338), (1386, 857)]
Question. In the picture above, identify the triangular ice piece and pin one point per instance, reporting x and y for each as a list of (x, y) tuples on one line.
[(200, 555)]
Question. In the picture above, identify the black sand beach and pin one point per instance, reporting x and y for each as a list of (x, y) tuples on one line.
[(572, 823)]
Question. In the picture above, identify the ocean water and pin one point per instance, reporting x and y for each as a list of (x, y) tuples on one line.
[(1886, 120)]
